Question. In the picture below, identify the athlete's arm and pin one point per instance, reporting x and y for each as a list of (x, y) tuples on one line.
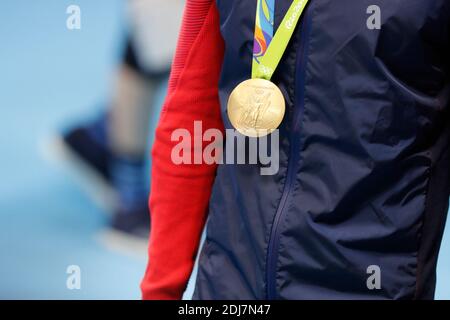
[(180, 193)]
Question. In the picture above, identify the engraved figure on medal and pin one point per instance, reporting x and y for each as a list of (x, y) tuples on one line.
[(255, 107)]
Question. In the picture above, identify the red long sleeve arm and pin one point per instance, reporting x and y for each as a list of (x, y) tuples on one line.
[(180, 193)]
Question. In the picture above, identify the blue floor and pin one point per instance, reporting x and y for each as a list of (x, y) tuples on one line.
[(49, 77)]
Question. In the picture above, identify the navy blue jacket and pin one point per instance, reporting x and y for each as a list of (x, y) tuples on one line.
[(364, 158)]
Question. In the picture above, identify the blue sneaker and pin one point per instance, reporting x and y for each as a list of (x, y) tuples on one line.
[(124, 186), (130, 179)]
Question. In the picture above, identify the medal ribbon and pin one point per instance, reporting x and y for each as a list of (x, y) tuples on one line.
[(263, 28), (268, 49)]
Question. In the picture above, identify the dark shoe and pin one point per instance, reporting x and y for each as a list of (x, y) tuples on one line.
[(90, 145), (84, 152), (134, 223)]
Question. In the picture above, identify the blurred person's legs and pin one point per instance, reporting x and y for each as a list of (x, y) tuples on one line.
[(115, 145), (129, 118)]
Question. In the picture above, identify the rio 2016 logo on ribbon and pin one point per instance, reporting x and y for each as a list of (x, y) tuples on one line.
[(265, 70), (290, 23)]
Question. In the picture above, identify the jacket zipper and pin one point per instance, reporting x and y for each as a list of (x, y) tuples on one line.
[(272, 254)]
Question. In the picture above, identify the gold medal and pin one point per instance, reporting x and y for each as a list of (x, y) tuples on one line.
[(256, 107)]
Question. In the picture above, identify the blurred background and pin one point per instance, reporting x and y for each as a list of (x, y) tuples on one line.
[(81, 86)]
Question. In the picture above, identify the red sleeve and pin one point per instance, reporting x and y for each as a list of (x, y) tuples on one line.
[(180, 193)]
